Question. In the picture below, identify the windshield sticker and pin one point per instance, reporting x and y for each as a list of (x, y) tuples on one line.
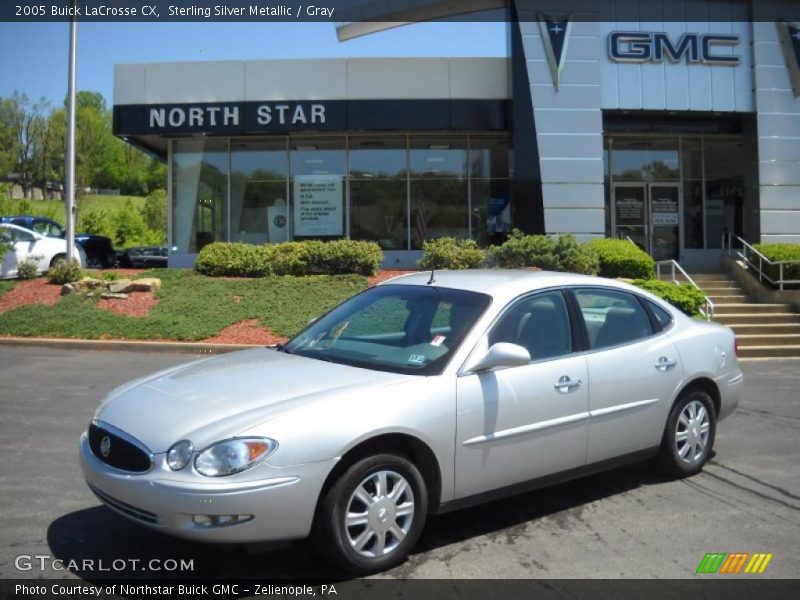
[(416, 359), (438, 341)]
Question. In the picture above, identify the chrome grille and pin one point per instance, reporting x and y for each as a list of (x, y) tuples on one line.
[(118, 451)]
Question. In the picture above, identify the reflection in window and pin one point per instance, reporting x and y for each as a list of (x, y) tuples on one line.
[(491, 191), (539, 323), (200, 189), (438, 189), (726, 163), (642, 159), (378, 191), (258, 192)]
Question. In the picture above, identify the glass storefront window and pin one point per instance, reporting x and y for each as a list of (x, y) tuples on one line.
[(438, 178), (646, 159), (726, 162), (317, 187), (490, 218), (199, 194), (258, 192), (379, 191)]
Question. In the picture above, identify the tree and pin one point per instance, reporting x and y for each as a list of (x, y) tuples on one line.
[(22, 124), (154, 213)]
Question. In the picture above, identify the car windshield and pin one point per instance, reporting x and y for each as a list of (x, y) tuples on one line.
[(398, 328)]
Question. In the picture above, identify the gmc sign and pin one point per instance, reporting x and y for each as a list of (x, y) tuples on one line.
[(694, 48)]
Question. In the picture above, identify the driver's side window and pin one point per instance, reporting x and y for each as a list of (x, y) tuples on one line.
[(538, 323)]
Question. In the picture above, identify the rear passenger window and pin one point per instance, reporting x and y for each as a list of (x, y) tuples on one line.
[(662, 317), (539, 323), (612, 318)]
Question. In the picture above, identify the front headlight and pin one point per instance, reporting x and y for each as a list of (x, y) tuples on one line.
[(233, 456), (179, 455)]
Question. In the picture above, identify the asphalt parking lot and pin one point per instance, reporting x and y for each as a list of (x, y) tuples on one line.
[(628, 523)]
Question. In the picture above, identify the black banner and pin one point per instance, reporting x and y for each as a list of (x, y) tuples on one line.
[(367, 11), (381, 589)]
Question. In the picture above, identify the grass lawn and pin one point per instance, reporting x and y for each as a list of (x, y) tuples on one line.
[(6, 285), (190, 307)]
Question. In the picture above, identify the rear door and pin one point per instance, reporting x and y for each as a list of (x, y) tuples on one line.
[(634, 370), (519, 423)]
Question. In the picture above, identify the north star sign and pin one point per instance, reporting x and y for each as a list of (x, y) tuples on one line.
[(162, 118), (694, 48)]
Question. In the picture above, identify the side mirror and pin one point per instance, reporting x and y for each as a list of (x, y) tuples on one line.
[(502, 354)]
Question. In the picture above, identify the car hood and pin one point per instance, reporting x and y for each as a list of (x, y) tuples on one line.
[(216, 398)]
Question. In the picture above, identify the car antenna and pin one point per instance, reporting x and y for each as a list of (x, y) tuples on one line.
[(432, 279)]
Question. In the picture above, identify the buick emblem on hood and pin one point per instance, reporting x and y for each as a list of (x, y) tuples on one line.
[(105, 446)]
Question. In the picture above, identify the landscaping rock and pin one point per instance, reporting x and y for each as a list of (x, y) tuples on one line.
[(146, 284), (119, 286), (67, 289), (87, 284), (113, 296)]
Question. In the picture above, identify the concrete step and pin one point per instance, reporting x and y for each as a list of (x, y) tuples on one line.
[(769, 352), (765, 318), (765, 329), (718, 291), (749, 341), (738, 299), (754, 309), (701, 278)]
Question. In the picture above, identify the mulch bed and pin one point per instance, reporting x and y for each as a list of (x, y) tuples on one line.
[(35, 291), (384, 275), (246, 332), (137, 304)]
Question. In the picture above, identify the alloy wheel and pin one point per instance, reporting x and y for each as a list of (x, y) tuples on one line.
[(692, 431)]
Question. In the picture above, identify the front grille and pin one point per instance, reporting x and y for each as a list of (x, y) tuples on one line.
[(126, 509), (118, 452)]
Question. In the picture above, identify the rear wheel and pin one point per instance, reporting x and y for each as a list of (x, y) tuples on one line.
[(689, 434), (372, 516)]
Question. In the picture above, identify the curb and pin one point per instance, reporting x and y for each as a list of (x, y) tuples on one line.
[(126, 345)]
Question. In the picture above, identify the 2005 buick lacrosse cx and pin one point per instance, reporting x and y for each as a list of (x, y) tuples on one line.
[(427, 393)]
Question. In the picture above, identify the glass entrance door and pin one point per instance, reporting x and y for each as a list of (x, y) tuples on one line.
[(648, 214)]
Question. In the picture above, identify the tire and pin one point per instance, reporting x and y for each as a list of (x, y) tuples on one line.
[(384, 538), (56, 259), (689, 434), (92, 262)]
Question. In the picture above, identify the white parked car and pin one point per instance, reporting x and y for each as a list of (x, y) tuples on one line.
[(27, 244)]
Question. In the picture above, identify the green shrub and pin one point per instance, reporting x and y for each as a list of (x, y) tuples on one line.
[(226, 259), (65, 271), (684, 296), (338, 257), (28, 268), (621, 258), (778, 252), (563, 253), (341, 257), (451, 253)]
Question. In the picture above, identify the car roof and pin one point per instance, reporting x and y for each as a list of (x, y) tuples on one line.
[(20, 227), (501, 282)]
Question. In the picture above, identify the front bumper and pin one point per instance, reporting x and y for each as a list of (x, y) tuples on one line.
[(282, 501)]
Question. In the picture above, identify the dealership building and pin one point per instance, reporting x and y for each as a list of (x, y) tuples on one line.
[(670, 133)]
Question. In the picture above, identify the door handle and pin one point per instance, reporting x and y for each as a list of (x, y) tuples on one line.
[(566, 385), (664, 364)]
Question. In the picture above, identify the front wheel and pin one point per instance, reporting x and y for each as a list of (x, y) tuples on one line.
[(372, 516), (689, 434)]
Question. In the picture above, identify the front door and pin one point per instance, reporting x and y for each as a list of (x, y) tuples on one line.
[(649, 215)]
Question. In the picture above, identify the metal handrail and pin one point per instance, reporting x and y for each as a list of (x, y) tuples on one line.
[(708, 310), (748, 254)]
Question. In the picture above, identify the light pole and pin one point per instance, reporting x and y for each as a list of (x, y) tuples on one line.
[(70, 166)]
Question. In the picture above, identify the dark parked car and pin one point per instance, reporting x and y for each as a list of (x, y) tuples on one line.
[(99, 249), (144, 257)]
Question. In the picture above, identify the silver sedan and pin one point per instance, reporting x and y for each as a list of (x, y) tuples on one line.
[(418, 396)]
